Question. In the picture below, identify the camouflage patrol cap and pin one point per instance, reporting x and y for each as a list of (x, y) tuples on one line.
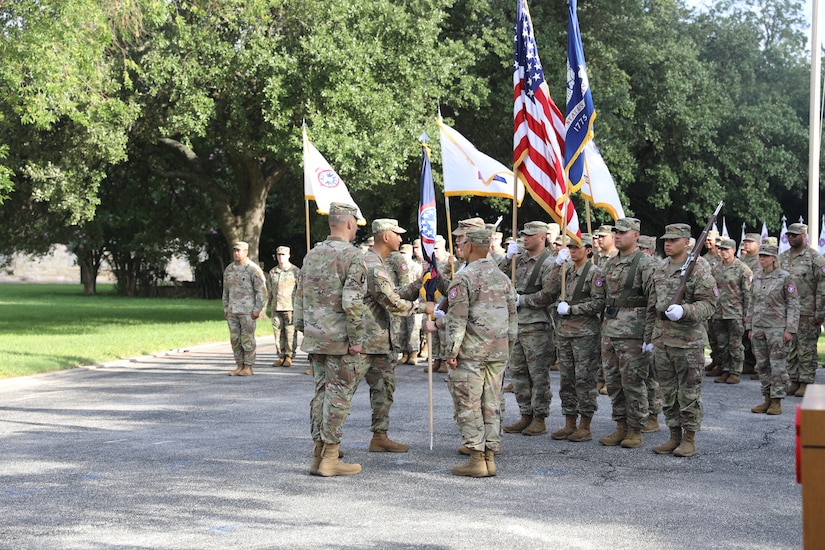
[(770, 240), (466, 225), (417, 242), (603, 230), (241, 245), (406, 248), (797, 229), (490, 227), (439, 241), (477, 235), (677, 231), (342, 209), (587, 240), (647, 242), (754, 237), (562, 240), (713, 235), (370, 241), (386, 224), (498, 234), (727, 243), (282, 250), (768, 249), (627, 224), (534, 228), (553, 227)]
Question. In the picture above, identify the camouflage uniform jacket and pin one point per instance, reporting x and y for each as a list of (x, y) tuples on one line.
[(396, 264), (631, 315), (752, 262), (532, 306), (381, 302), (775, 302), (329, 302), (586, 307), (699, 304), (712, 260), (808, 270), (244, 288), (282, 286), (482, 321), (734, 283)]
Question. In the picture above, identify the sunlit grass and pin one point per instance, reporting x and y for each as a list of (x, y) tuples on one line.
[(51, 327)]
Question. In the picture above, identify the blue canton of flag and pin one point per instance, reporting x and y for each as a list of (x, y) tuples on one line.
[(427, 223), (580, 110)]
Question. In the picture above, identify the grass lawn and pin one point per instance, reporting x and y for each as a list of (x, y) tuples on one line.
[(51, 327)]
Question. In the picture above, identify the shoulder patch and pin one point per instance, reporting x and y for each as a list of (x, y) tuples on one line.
[(822, 269), (716, 291), (750, 278), (599, 282), (791, 288), (453, 293), (382, 273), (403, 266)]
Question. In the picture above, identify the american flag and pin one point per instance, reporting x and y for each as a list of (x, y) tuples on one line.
[(538, 138)]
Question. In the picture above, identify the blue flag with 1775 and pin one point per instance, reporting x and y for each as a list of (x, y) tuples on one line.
[(428, 223), (580, 110)]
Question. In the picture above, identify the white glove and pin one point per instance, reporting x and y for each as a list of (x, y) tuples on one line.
[(512, 249), (647, 348), (564, 253), (675, 312), (438, 313), (563, 308), (518, 299)]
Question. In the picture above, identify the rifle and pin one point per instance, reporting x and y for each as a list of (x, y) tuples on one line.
[(690, 262)]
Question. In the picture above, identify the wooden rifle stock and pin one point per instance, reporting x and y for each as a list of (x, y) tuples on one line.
[(690, 263)]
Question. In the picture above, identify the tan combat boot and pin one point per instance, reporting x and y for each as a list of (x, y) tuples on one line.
[(331, 466), (237, 370), (382, 444), (465, 450), (508, 389), (475, 467), (317, 450), (404, 357), (245, 371), (687, 447), (633, 438), (793, 388), (308, 371), (536, 427), (763, 408), (616, 437), (583, 432), (442, 366), (518, 426), (435, 366), (279, 362), (287, 362), (722, 379), (801, 391), (569, 428), (490, 461), (671, 444), (775, 407), (424, 350), (733, 379), (715, 371), (652, 424), (412, 358)]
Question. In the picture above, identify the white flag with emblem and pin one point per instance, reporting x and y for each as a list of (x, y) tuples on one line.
[(322, 184)]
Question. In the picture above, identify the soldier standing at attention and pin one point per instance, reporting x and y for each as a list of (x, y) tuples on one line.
[(533, 353), (626, 369), (409, 328), (772, 320), (679, 339), (282, 283), (808, 270), (382, 301), (244, 295), (750, 257), (481, 326), (329, 309), (733, 279), (578, 335)]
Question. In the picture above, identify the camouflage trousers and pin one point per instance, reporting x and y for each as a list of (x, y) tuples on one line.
[(712, 342), (729, 352), (578, 367), (476, 390), (680, 372), (284, 333), (530, 371), (242, 337), (654, 392), (771, 353), (380, 375), (409, 333), (802, 359), (336, 379), (626, 373)]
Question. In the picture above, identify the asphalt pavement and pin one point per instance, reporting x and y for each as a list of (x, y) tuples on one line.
[(167, 451)]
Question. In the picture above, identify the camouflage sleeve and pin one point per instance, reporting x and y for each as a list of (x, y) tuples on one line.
[(456, 319), (554, 282), (270, 293), (746, 286), (225, 298), (298, 305), (595, 304), (512, 311), (412, 291), (791, 291), (295, 287), (259, 286), (819, 281), (545, 296), (705, 295), (352, 299), (650, 311), (387, 297)]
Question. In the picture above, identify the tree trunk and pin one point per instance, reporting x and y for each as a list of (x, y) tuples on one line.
[(89, 260)]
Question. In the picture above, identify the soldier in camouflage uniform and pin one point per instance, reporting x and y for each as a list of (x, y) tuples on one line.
[(282, 283), (808, 269), (578, 335), (329, 309), (750, 257), (626, 368), (481, 325), (679, 339), (383, 301), (647, 245), (532, 355), (409, 328), (733, 279), (244, 296), (772, 320)]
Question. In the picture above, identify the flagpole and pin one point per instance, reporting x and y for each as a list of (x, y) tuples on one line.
[(815, 125), (450, 236), (563, 235), (306, 209), (515, 224)]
